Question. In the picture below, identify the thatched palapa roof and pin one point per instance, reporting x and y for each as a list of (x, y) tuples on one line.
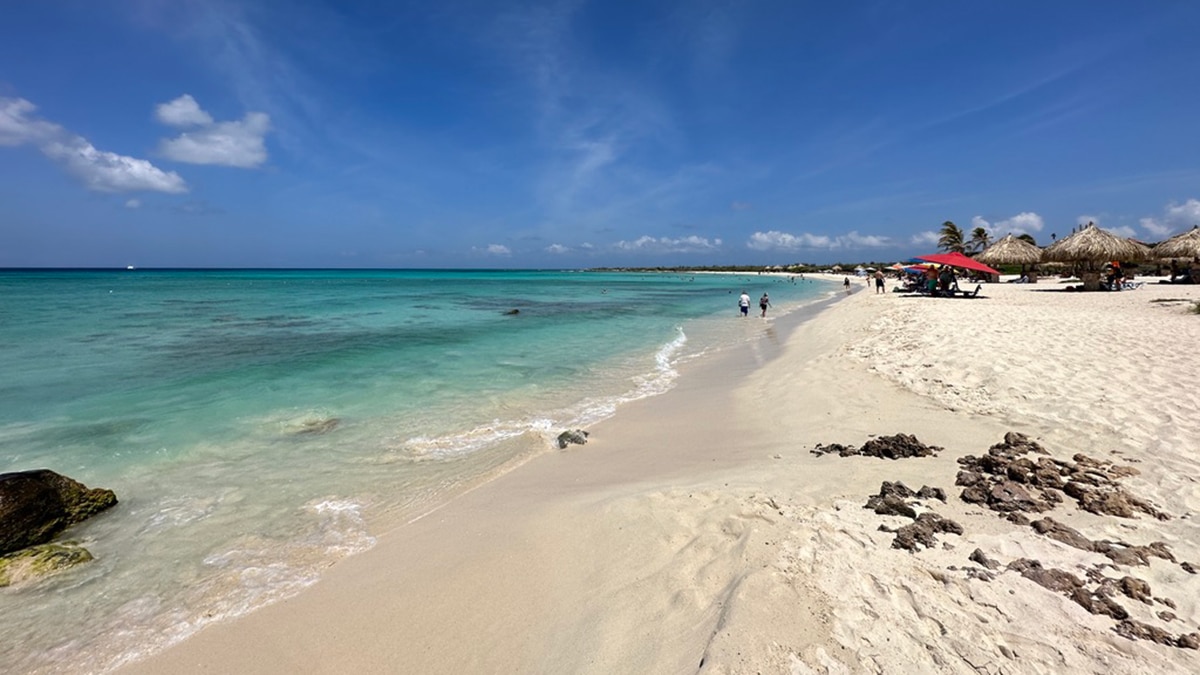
[(1185, 245), (1092, 244), (1010, 251)]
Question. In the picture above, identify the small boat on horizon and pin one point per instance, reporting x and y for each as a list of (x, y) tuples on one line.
[(129, 267)]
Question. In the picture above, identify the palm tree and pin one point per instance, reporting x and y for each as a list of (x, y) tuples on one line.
[(1027, 237), (951, 239), (979, 240)]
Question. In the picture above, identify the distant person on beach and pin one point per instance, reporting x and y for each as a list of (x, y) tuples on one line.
[(846, 284), (744, 303), (879, 281), (763, 303)]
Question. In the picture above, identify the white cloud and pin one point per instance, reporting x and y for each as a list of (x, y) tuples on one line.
[(783, 241), (1155, 228), (104, 171), (1026, 222), (238, 144), (853, 239), (133, 204), (99, 170), (182, 112), (691, 244), (16, 128), (774, 239), (498, 249), (1123, 230), (925, 239), (1176, 218), (557, 249)]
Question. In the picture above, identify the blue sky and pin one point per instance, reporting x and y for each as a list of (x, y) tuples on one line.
[(185, 133)]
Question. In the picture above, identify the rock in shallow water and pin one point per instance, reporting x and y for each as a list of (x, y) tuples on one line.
[(40, 561), (576, 436), (37, 505)]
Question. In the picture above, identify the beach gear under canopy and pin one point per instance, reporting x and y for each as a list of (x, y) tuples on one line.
[(957, 260)]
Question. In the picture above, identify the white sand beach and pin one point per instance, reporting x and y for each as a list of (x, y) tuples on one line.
[(697, 531)]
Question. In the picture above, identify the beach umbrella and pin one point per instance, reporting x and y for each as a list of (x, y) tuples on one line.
[(1185, 245), (1091, 248), (957, 260), (1011, 251)]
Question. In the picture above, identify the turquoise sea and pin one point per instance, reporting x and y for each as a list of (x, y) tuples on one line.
[(259, 425)]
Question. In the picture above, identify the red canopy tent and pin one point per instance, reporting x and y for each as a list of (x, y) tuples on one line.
[(957, 260)]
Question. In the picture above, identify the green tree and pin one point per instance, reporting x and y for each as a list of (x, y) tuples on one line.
[(1027, 237), (951, 239), (979, 240)]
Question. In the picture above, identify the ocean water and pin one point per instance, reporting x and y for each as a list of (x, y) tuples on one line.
[(259, 425)]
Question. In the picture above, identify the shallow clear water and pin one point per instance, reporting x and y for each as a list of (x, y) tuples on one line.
[(255, 424)]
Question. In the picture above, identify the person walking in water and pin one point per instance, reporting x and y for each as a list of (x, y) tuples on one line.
[(744, 303), (763, 303)]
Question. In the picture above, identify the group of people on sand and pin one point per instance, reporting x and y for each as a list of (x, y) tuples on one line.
[(744, 303)]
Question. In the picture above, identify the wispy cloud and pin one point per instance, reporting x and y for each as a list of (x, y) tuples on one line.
[(1176, 217), (648, 244), (926, 238), (98, 170), (1026, 222), (774, 240)]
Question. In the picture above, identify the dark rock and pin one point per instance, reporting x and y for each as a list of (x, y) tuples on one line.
[(1188, 641), (921, 532), (1017, 519), (1059, 532), (1020, 443), (42, 560), (1028, 485), (1009, 496), (1188, 567), (576, 436), (1136, 630), (974, 495), (37, 505), (841, 450), (1097, 603), (899, 446), (927, 492), (890, 500), (982, 575), (1167, 616), (891, 505), (1056, 580), (1128, 554), (978, 556), (1137, 589), (512, 312), (968, 478)]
